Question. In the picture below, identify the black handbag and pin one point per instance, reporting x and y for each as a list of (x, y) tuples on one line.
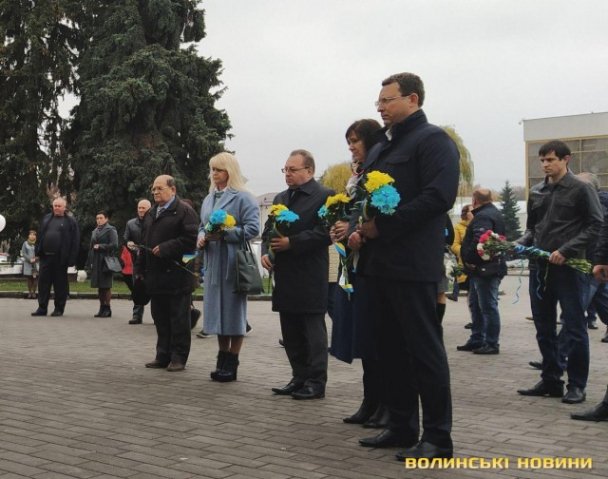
[(247, 275), (112, 263)]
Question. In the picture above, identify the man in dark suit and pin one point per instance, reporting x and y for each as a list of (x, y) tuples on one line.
[(404, 266), (170, 229), (57, 247), (301, 267)]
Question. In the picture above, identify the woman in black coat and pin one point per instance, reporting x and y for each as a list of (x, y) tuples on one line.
[(353, 334), (104, 242)]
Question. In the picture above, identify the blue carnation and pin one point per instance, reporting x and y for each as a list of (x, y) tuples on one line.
[(217, 217), (386, 199), (322, 212), (287, 216)]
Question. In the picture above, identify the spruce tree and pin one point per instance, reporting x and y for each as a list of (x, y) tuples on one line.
[(509, 212), (36, 58), (146, 105)]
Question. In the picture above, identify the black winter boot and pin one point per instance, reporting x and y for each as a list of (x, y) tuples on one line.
[(105, 312), (100, 312), (219, 365), (228, 373)]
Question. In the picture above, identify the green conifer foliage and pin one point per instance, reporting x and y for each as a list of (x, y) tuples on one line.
[(509, 212), (147, 105), (37, 54)]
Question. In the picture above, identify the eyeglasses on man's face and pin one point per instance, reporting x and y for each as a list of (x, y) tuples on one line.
[(293, 170), (158, 189), (387, 100)]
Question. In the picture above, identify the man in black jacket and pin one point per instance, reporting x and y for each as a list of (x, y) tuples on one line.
[(169, 231), (300, 270), (600, 273), (404, 264), (564, 218), (57, 247), (485, 276), (132, 237)]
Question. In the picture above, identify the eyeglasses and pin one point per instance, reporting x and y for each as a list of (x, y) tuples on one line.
[(158, 189), (293, 170), (385, 101)]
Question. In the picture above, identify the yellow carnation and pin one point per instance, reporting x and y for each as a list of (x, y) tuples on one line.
[(339, 198), (276, 209), (377, 179), (229, 222)]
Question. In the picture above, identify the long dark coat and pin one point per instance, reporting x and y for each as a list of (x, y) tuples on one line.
[(174, 231), (107, 238), (301, 273)]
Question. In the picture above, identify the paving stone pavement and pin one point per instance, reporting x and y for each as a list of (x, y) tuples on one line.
[(76, 402)]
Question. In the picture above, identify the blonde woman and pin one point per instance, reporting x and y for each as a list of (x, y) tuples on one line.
[(225, 312)]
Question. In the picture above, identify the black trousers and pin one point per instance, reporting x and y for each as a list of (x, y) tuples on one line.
[(413, 359), (171, 315), (54, 274), (373, 387), (305, 341)]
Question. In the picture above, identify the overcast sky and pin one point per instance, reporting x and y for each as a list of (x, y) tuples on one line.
[(298, 73)]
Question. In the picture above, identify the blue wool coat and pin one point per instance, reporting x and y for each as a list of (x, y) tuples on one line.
[(225, 312)]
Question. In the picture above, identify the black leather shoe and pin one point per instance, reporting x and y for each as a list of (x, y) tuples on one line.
[(575, 395), (288, 389), (39, 312), (486, 349), (598, 413), (468, 347), (541, 388), (426, 450), (175, 366), (57, 313), (468, 326), (605, 338), (536, 364), (308, 392), (156, 364), (388, 438), (135, 321)]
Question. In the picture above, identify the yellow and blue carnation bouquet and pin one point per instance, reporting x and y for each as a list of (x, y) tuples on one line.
[(219, 221), (280, 219), (380, 196), (336, 208)]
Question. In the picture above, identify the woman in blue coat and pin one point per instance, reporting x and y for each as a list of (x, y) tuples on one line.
[(225, 312)]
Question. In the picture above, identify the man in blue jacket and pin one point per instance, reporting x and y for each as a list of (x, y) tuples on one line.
[(404, 266)]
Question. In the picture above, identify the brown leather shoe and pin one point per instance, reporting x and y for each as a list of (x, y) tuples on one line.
[(174, 366), (156, 364)]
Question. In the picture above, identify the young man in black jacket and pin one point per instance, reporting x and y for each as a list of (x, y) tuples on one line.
[(484, 276), (564, 218)]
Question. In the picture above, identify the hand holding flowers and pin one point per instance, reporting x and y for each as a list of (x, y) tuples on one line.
[(492, 245), (219, 221), (280, 219)]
